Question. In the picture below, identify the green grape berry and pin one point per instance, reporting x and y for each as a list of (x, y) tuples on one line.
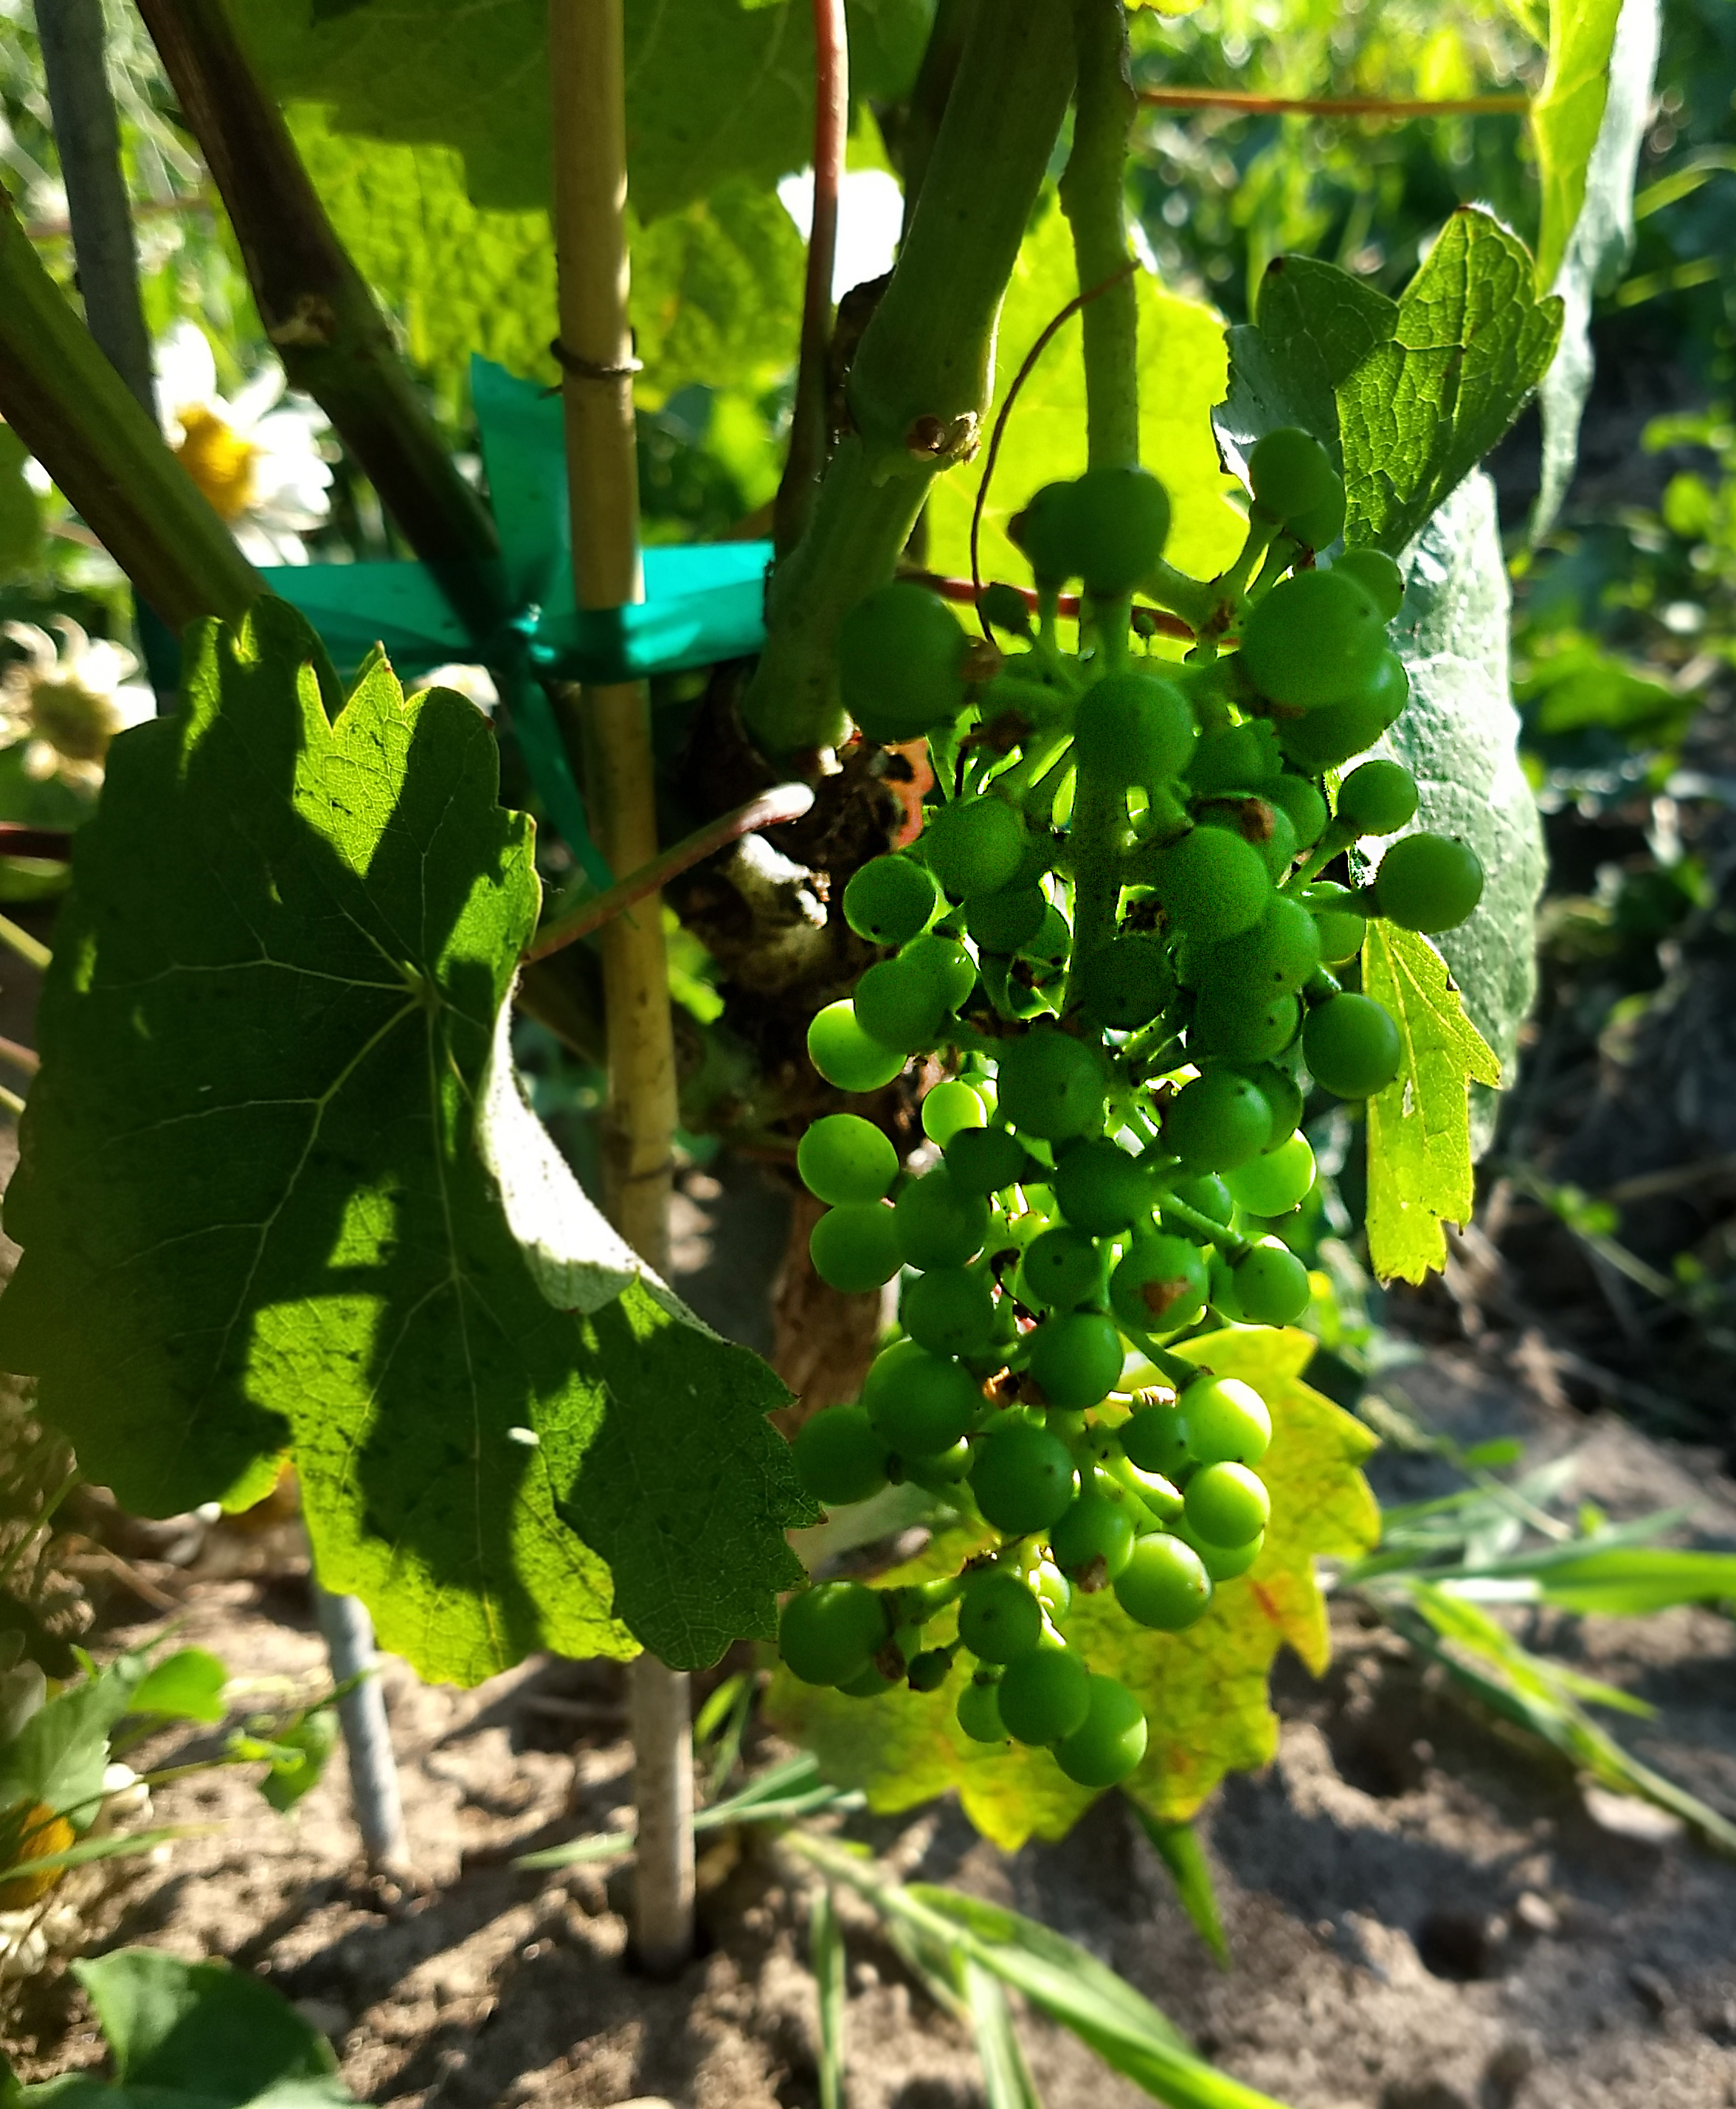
[(1218, 1121), (1223, 1563), (1378, 576), (1277, 1180), (1052, 944), (921, 1403), (901, 662), (1094, 1530), (855, 1248), (1227, 1504), (839, 1456), (946, 962), (1128, 982), (842, 1158), (1101, 1188), (1006, 920), (1428, 882), (1235, 760), (1302, 802), (1235, 1023), (1044, 1696), (1075, 1359), (1290, 472), (985, 1160), (1208, 1195), (831, 1633), (1062, 1268), (1339, 920), (950, 1109), (1316, 638), (929, 1669), (889, 900), (1283, 1095), (979, 1712), (899, 1005), (1110, 1742), (1351, 1046), (1321, 525), (1212, 884), (1046, 533), (1000, 1618), (1023, 1478), (870, 1684), (1121, 520), (1050, 1085), (1134, 729), (1276, 957), (940, 1222), (1271, 1283), (949, 1311), (1377, 798), (974, 845), (1224, 1421), (845, 1056), (1160, 1286), (1004, 606), (1164, 1585), (1155, 1438)]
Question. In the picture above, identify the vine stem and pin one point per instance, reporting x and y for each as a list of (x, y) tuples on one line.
[(810, 417), (349, 1634), (1331, 106), (587, 73)]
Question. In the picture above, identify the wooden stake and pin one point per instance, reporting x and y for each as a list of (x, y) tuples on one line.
[(587, 76)]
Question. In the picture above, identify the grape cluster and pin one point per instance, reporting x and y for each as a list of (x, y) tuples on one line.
[(1117, 927)]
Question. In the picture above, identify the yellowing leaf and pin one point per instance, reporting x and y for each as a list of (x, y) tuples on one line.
[(1419, 1130), (1204, 1691)]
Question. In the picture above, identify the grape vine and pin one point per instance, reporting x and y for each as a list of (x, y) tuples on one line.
[(1115, 930)]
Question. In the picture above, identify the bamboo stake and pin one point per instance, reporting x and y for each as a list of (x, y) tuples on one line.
[(587, 75)]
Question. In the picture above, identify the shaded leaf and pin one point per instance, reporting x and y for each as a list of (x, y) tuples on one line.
[(58, 1757), (1204, 1690), (1313, 325), (1419, 1127), (187, 1686)]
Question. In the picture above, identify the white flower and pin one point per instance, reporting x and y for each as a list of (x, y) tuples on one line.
[(68, 702), (255, 457)]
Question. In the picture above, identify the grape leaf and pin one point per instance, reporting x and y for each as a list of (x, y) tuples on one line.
[(1182, 361), (1566, 115), (278, 1191), (716, 89), (1469, 344), (716, 290), (1419, 1127), (1315, 325), (1204, 1690)]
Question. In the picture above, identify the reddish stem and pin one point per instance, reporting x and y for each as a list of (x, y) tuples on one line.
[(785, 802), (1316, 105)]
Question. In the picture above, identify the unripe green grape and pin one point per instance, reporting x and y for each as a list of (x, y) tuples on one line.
[(832, 1632), (1207, 1195), (1046, 533), (1226, 1421), (1218, 1121), (1050, 1085), (1101, 1188), (1276, 957), (1377, 798), (1160, 1286), (1339, 919), (950, 1107), (1235, 1023), (1128, 982), (1212, 884), (974, 845), (1062, 1268), (1227, 1504), (1351, 1046), (1223, 1563), (1278, 846), (839, 1457), (901, 662), (889, 900), (922, 1406), (985, 1160), (871, 1683), (1271, 1283), (1237, 759), (1290, 472), (1110, 1742), (1321, 525), (949, 1311), (1044, 1696), (1283, 1095), (1378, 576), (1052, 945), (1054, 1591), (1328, 737), (845, 1054), (1023, 1478), (842, 1158), (939, 1223), (899, 1005), (1000, 1618), (929, 1670), (1134, 729), (1004, 606), (1156, 1440), (1428, 882), (1277, 1180), (1075, 1359), (1224, 1305), (1316, 638), (1093, 1528), (979, 1712), (1164, 1585), (1120, 518), (855, 1248), (1295, 796), (946, 962), (1006, 920)]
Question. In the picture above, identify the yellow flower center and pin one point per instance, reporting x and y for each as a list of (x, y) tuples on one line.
[(219, 460), (78, 723)]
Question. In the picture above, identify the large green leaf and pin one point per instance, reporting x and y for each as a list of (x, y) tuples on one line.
[(278, 1192), (716, 286), (1204, 1690), (1565, 119), (1315, 326), (1182, 366), (716, 89), (1419, 1127), (194, 2035)]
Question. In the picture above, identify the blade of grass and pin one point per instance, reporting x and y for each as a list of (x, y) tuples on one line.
[(826, 1952), (787, 1791), (1179, 1847), (1006, 2078)]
